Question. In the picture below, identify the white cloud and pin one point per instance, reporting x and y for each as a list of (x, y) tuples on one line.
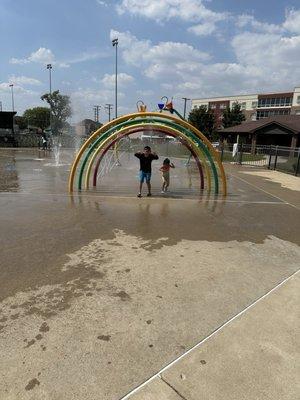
[(263, 61), (292, 21), (24, 80), (41, 56), (268, 51), (102, 3), (142, 52), (164, 10), (191, 11), (4, 87), (20, 61), (248, 21), (132, 48), (204, 21), (123, 80), (175, 52), (87, 56), (205, 29), (45, 56)]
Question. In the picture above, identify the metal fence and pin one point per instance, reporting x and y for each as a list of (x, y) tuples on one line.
[(285, 159)]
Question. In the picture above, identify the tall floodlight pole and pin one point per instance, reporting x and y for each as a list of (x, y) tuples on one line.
[(49, 67), (185, 101), (12, 96), (115, 43)]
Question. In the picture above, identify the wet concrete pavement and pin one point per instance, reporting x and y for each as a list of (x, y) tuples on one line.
[(246, 359), (100, 290)]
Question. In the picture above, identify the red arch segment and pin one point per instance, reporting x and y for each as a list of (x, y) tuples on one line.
[(154, 130)]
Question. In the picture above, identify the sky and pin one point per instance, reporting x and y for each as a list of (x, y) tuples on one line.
[(173, 48)]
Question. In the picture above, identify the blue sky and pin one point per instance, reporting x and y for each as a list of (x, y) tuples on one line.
[(192, 48)]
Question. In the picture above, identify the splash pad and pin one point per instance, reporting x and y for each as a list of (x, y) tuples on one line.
[(211, 172)]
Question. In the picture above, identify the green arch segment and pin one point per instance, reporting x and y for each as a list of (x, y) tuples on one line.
[(150, 120)]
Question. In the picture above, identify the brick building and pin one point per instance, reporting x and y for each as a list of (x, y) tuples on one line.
[(255, 106)]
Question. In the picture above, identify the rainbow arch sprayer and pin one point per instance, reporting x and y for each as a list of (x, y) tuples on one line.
[(85, 166)]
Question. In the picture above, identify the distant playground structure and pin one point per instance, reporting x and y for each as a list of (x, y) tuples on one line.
[(85, 168)]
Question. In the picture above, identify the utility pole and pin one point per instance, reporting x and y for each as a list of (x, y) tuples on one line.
[(115, 42), (185, 101), (96, 113), (0, 105), (109, 108), (13, 108), (12, 96)]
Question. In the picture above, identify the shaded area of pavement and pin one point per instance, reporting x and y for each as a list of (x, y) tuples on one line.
[(285, 188)]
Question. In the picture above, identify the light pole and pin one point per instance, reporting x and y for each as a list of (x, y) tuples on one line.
[(0, 105), (185, 100), (115, 42), (12, 96), (49, 66)]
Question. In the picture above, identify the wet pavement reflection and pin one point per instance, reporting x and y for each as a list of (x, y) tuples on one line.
[(74, 269), (43, 222)]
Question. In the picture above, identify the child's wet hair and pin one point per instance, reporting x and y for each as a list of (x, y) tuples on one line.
[(166, 161)]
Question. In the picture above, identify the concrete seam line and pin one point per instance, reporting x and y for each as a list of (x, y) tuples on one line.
[(262, 190), (214, 332), (108, 196), (172, 387)]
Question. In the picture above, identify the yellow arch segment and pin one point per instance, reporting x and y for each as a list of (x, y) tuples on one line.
[(166, 129), (147, 114)]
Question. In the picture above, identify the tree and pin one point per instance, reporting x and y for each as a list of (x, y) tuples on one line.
[(21, 122), (37, 116), (232, 117), (60, 106), (203, 118)]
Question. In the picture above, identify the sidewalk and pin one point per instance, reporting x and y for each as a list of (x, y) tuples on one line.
[(254, 357)]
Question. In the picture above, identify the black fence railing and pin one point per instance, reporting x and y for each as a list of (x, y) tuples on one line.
[(285, 159)]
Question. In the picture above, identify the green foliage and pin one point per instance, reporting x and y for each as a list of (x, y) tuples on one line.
[(37, 116), (60, 106), (233, 116), (203, 118), (21, 122)]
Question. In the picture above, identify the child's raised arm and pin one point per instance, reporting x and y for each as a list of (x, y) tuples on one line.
[(172, 165)]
